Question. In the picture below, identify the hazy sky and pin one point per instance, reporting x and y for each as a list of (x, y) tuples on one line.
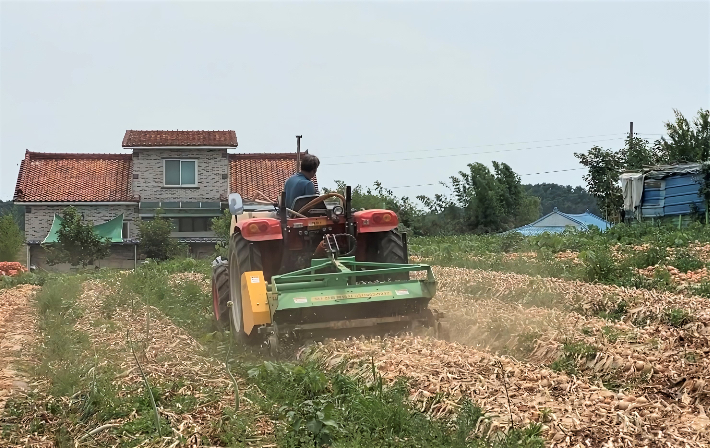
[(395, 85)]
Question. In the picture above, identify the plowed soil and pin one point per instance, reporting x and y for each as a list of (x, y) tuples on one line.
[(506, 338), (17, 334), (527, 350)]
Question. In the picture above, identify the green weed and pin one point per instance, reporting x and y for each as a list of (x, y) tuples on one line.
[(524, 346), (691, 357), (611, 334), (26, 278), (677, 317), (685, 261), (572, 354), (616, 313)]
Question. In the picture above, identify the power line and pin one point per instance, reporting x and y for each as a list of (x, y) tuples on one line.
[(527, 174), (553, 171), (466, 147), (473, 153)]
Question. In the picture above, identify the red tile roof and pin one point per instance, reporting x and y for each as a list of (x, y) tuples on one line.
[(57, 177), (137, 139), (266, 173)]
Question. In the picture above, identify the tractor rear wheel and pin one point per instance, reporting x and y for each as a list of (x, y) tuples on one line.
[(390, 249), (244, 256), (220, 293)]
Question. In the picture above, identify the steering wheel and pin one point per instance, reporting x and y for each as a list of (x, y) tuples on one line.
[(320, 199)]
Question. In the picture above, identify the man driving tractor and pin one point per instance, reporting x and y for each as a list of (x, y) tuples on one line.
[(300, 184)]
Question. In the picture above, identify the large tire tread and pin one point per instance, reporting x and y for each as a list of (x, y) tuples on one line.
[(248, 258), (390, 249), (220, 292)]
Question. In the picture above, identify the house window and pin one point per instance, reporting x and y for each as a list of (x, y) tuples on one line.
[(189, 224), (192, 224), (125, 230), (180, 173)]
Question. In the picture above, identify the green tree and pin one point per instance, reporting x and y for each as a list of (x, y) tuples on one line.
[(16, 211), (221, 227), (704, 189), (528, 211), (517, 207), (638, 153), (510, 191), (686, 142), (155, 240), (477, 193), (11, 238), (485, 202), (77, 243), (605, 166)]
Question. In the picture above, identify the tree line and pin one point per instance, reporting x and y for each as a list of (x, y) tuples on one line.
[(479, 201)]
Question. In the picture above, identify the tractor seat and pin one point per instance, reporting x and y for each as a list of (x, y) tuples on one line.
[(318, 209)]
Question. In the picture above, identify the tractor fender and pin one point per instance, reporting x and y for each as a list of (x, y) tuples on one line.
[(260, 229), (376, 220)]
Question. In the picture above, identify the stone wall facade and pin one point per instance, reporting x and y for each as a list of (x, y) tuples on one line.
[(122, 256), (39, 218), (212, 174)]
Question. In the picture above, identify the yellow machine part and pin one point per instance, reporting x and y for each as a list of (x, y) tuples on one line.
[(255, 306)]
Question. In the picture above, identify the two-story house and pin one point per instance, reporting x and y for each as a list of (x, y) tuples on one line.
[(187, 174), (184, 173)]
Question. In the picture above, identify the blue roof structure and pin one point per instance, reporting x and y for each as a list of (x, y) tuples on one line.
[(557, 222), (671, 190)]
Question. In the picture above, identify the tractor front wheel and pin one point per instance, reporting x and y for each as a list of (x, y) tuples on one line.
[(244, 256), (390, 249)]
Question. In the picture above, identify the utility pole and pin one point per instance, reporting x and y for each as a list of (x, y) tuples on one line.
[(298, 153), (631, 136)]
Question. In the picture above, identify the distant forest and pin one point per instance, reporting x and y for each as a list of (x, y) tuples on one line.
[(567, 199)]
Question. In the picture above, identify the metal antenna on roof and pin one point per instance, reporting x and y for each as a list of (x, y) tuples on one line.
[(298, 152)]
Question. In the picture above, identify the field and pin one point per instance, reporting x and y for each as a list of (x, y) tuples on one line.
[(573, 340)]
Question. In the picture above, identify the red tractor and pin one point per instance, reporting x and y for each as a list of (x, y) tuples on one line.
[(318, 266)]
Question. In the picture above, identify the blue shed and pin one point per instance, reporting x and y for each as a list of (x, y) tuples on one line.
[(557, 222), (668, 190)]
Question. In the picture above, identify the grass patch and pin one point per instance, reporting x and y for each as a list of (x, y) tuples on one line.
[(611, 334), (614, 313), (677, 317), (330, 408), (572, 354), (609, 257), (25, 278), (62, 352), (185, 303)]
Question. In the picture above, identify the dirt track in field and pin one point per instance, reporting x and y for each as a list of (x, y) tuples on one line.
[(17, 334)]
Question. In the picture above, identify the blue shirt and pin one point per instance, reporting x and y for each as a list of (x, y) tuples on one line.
[(298, 185)]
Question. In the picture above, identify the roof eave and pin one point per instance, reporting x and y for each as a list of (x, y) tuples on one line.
[(179, 147), (25, 202)]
